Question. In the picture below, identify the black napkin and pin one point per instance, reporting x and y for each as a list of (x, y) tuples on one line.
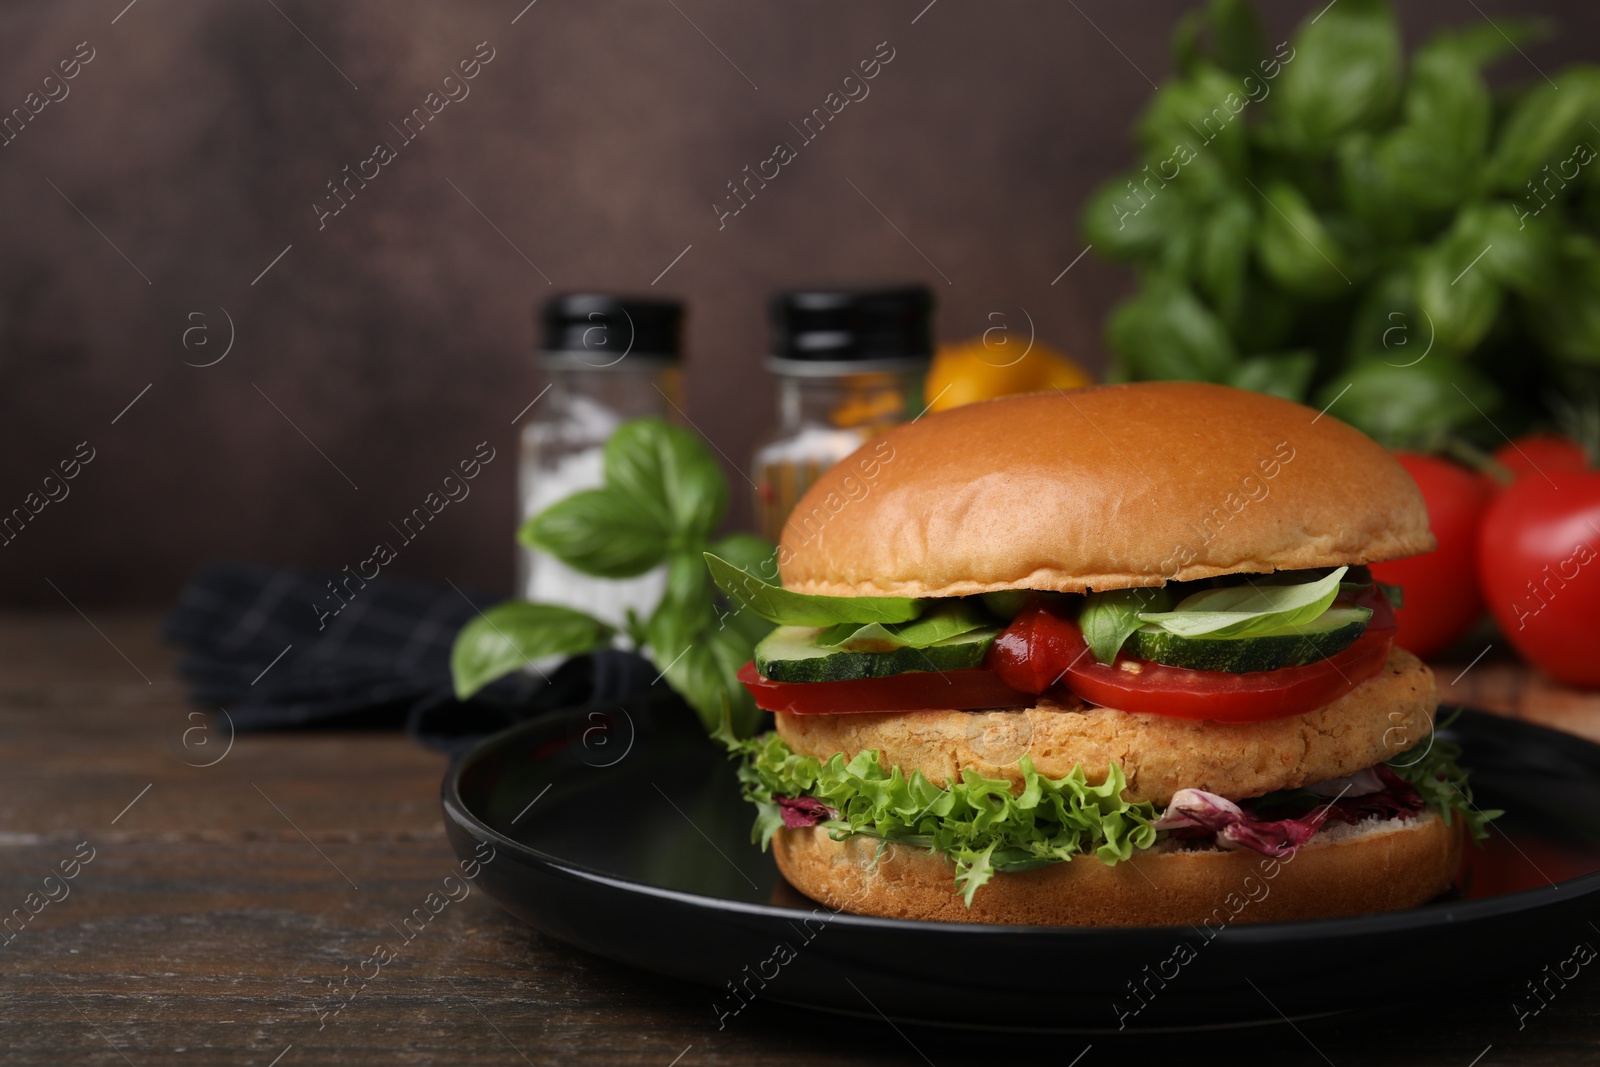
[(262, 643)]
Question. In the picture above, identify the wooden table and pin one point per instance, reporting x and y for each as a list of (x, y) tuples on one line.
[(221, 902)]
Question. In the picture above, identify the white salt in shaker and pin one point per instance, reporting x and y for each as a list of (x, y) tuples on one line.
[(608, 360)]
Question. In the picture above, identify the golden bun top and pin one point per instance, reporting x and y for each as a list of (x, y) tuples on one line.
[(1102, 488)]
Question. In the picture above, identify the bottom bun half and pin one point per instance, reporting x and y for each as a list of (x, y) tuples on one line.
[(1345, 870)]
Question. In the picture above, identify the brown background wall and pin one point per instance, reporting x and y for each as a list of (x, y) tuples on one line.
[(398, 336)]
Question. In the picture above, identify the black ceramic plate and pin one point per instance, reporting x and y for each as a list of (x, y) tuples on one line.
[(621, 831)]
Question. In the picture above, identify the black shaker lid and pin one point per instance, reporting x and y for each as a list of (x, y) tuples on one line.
[(597, 330), (846, 331)]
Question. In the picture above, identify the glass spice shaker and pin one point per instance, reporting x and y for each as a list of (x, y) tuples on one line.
[(849, 366), (608, 359)]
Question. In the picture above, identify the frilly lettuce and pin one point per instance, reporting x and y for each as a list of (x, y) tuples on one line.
[(1443, 783), (983, 827), (978, 822)]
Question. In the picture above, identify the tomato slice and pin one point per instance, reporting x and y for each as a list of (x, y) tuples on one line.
[(916, 691), (1041, 650), (1223, 697)]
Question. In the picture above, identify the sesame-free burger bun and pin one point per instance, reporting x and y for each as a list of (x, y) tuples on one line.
[(1372, 866), (1102, 488)]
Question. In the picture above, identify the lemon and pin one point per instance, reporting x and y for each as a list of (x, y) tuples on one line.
[(969, 371)]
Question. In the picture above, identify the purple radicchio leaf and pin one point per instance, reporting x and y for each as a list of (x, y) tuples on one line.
[(800, 812)]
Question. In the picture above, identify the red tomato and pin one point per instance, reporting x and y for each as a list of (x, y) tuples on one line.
[(1442, 600), (1057, 652), (915, 691), (1537, 452), (1539, 561)]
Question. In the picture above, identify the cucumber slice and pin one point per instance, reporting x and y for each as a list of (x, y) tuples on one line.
[(791, 654), (1334, 630)]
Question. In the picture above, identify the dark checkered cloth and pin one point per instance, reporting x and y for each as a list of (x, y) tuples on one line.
[(254, 648)]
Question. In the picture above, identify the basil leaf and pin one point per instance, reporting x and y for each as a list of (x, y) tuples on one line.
[(1236, 35), (1403, 406), (1526, 257), (1248, 610), (700, 650), (1296, 249), (1125, 227), (1286, 374), (941, 624), (1344, 72), (1183, 115), (688, 593), (1004, 604), (1369, 189), (1460, 304), (511, 635), (1566, 317), (600, 532), (1541, 128), (1222, 256), (748, 552), (1435, 158), (1484, 42), (777, 604), (1165, 332), (841, 632), (731, 650), (670, 473), (694, 674), (700, 663), (1107, 619)]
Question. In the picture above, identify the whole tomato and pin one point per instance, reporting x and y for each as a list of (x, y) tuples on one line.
[(1536, 452), (1441, 597), (1539, 561)]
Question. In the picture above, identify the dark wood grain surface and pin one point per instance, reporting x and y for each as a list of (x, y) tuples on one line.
[(222, 902)]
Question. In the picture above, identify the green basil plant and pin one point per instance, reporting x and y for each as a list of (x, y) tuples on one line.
[(1321, 219), (661, 503)]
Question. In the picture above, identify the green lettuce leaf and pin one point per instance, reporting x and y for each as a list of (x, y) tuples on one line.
[(786, 608), (978, 822), (1249, 610), (1432, 769)]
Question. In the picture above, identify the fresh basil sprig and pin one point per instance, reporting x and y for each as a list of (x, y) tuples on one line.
[(788, 608), (662, 498), (1248, 610)]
